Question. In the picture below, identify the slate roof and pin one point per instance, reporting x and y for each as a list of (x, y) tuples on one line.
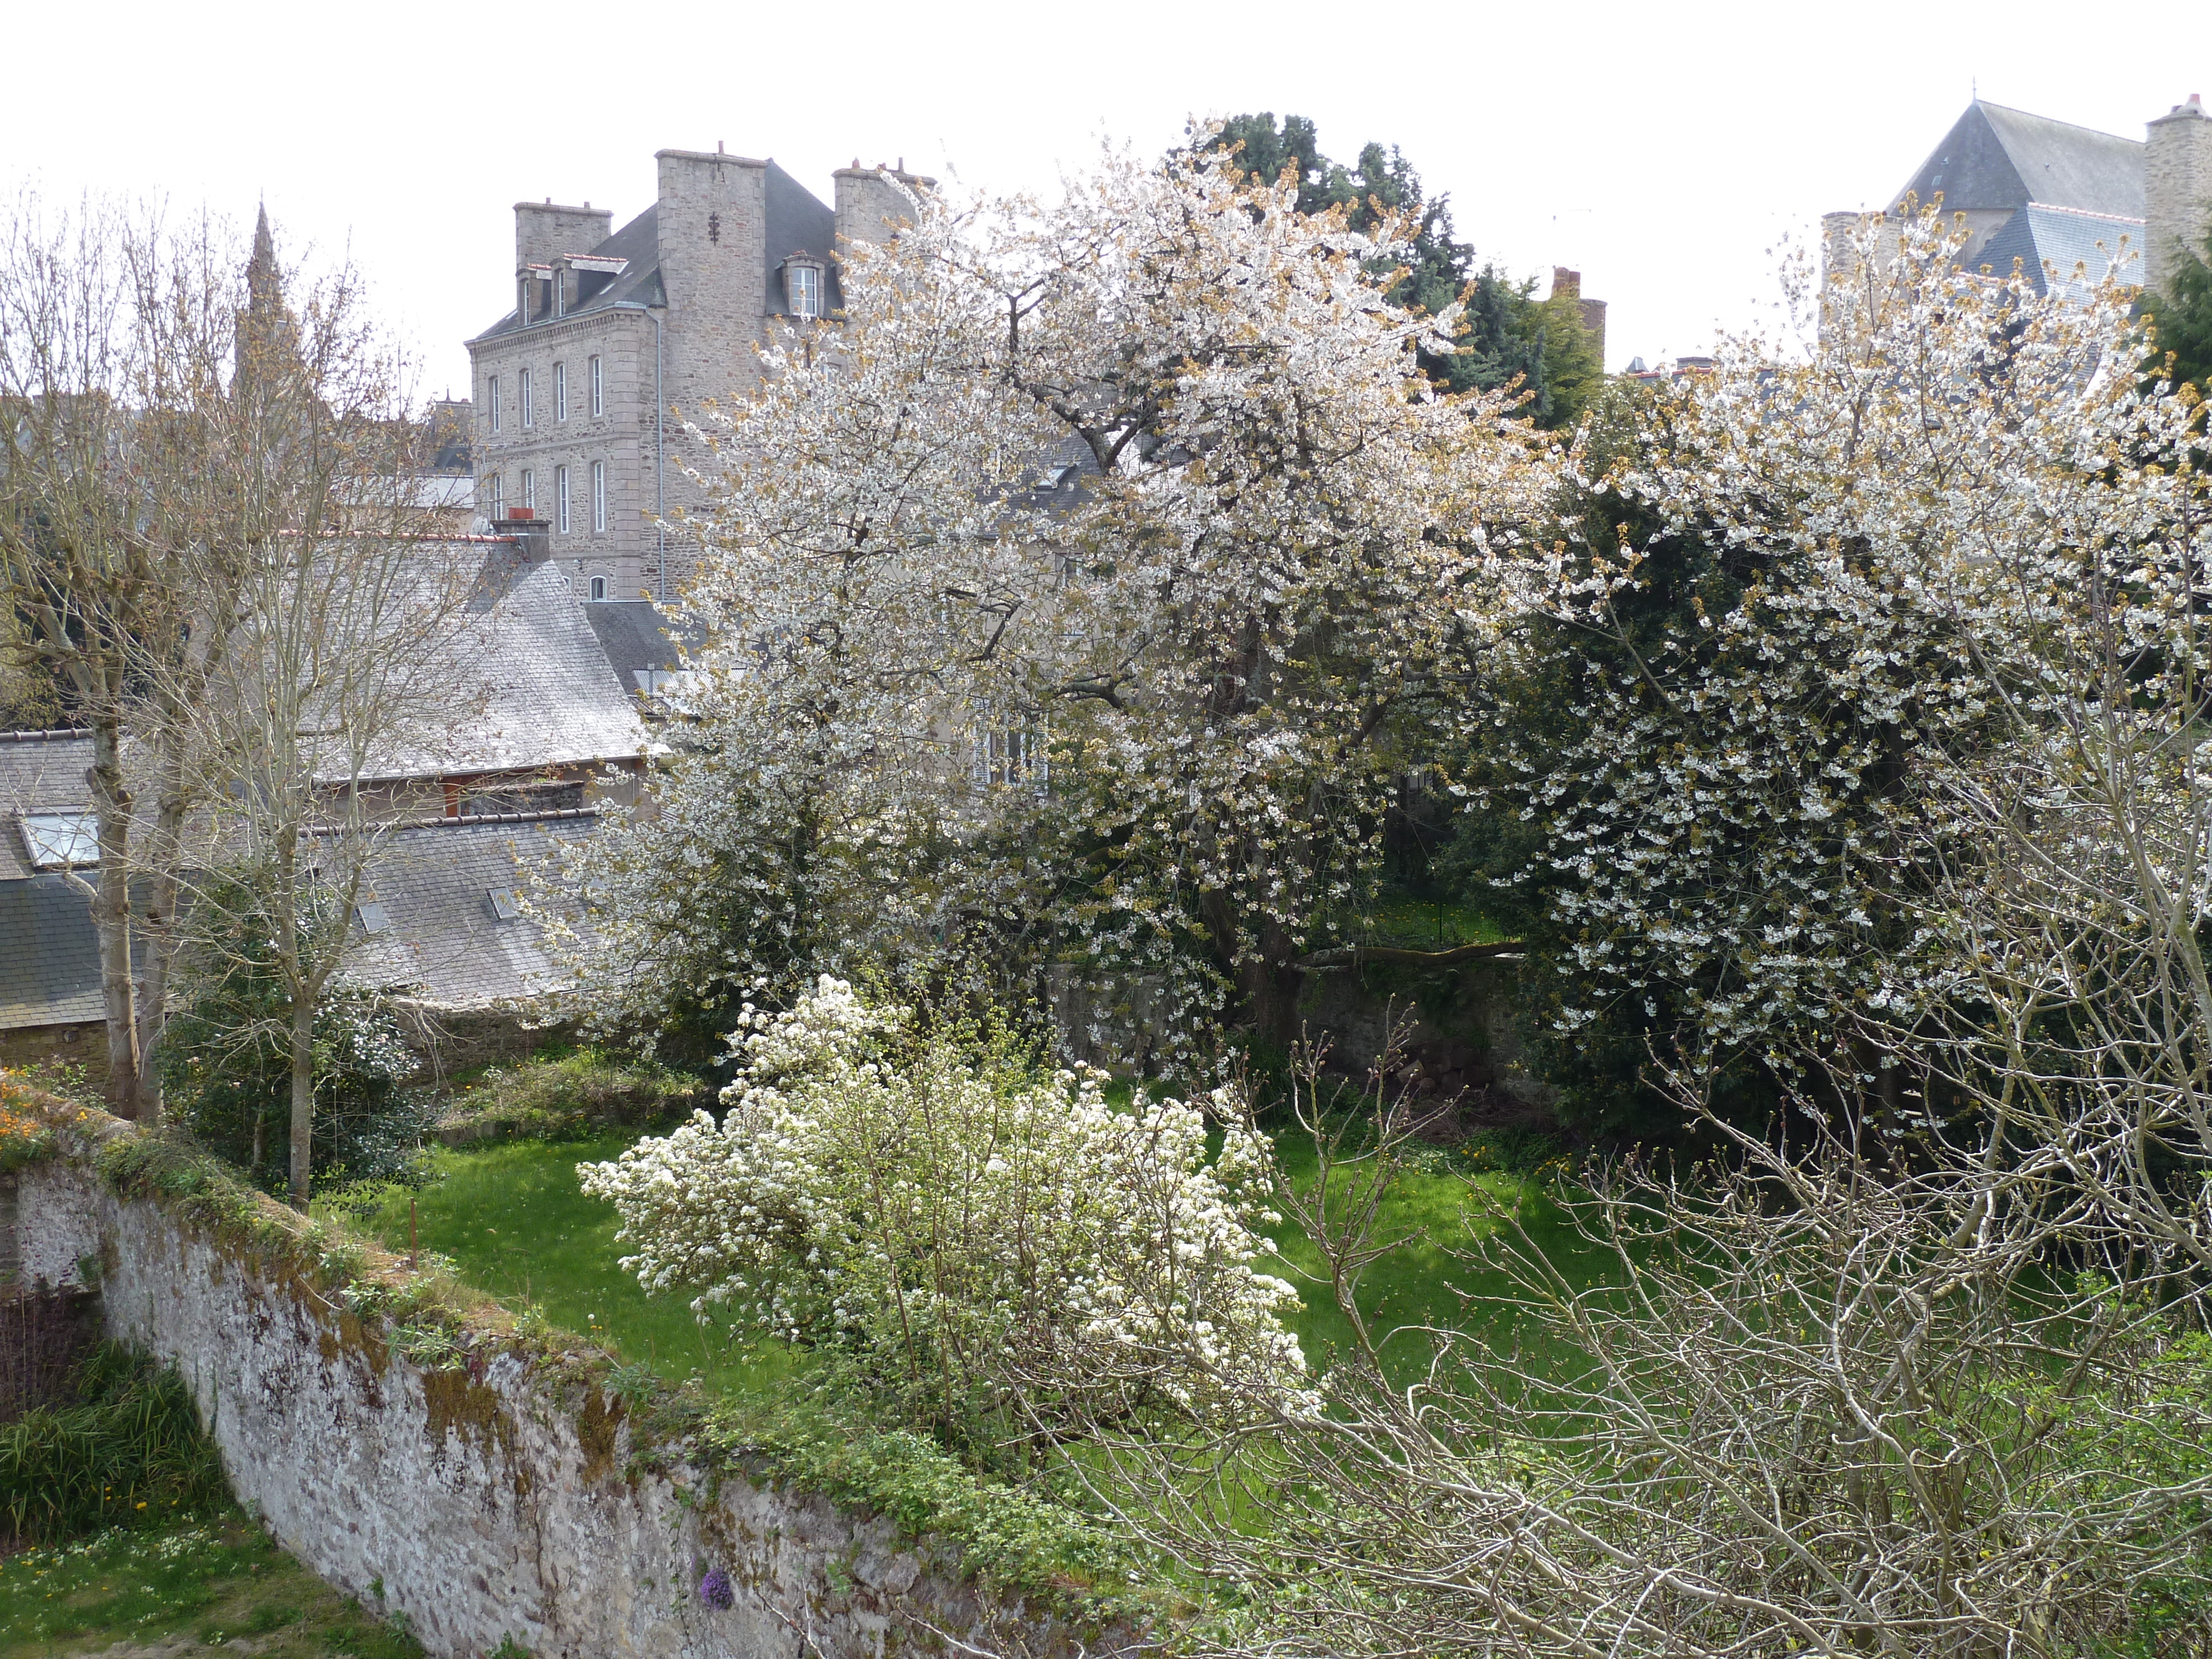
[(37, 768), (2036, 235), (1995, 157), (639, 639), (533, 686), (798, 221), (446, 943), (49, 955)]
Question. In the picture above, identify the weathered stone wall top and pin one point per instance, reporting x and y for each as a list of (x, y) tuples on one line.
[(487, 1497)]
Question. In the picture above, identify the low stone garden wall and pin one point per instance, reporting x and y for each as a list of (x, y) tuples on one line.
[(500, 1493)]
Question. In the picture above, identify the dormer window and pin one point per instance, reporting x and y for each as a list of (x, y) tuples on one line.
[(802, 285)]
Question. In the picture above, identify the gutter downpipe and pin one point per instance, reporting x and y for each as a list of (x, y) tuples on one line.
[(659, 458)]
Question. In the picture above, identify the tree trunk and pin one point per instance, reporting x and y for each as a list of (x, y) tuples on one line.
[(111, 914), (1269, 980), (303, 1098), (160, 925)]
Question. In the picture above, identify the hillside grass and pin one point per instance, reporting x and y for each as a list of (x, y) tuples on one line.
[(514, 1218), (214, 1580)]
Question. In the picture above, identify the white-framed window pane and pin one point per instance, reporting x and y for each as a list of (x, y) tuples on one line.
[(598, 494), (56, 840), (599, 588), (599, 390), (561, 499), (499, 495), (1009, 757), (806, 290), (560, 391), (522, 396), (529, 490), (491, 399)]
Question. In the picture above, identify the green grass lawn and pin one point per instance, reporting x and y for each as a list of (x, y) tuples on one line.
[(1429, 925), (1440, 1203), (216, 1581), (515, 1218)]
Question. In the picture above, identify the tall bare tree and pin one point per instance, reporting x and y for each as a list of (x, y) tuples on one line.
[(119, 544)]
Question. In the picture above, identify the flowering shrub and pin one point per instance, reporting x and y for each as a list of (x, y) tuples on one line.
[(976, 1239), (24, 1137)]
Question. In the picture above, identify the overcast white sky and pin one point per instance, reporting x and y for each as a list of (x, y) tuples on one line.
[(1660, 148)]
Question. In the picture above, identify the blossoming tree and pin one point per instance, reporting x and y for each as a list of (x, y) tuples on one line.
[(1789, 605), (1076, 597)]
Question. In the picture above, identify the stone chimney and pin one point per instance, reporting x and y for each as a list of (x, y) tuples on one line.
[(873, 203), (2177, 189), (544, 232), (532, 536)]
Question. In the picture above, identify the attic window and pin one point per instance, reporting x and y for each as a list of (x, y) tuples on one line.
[(57, 840), (373, 917), (802, 285), (1055, 476), (502, 904)]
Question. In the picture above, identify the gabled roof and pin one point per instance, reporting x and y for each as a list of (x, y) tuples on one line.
[(447, 943), (532, 684), (1995, 157)]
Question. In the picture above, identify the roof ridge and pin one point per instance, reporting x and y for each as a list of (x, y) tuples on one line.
[(2081, 213), (44, 733), (2053, 120), (443, 821)]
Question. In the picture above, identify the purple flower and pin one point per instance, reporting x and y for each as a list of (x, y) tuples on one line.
[(714, 1589)]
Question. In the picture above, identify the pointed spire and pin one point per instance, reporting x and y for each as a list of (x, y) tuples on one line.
[(267, 325)]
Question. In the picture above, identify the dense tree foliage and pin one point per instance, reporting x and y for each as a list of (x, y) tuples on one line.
[(1505, 336), (2183, 318), (227, 1058)]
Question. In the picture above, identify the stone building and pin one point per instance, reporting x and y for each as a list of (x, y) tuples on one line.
[(615, 337), (2047, 192)]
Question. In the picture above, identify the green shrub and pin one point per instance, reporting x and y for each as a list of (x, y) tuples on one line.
[(225, 1061), (570, 1095), (131, 1448)]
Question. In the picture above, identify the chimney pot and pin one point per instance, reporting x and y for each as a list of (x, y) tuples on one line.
[(717, 147)]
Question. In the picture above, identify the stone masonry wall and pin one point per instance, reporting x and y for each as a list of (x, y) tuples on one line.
[(473, 1501)]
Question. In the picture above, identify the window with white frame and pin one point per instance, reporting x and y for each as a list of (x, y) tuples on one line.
[(560, 391), (1004, 758), (61, 841), (561, 499), (499, 495), (491, 400), (522, 397), (529, 490), (599, 497), (599, 588), (802, 283), (598, 389)]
